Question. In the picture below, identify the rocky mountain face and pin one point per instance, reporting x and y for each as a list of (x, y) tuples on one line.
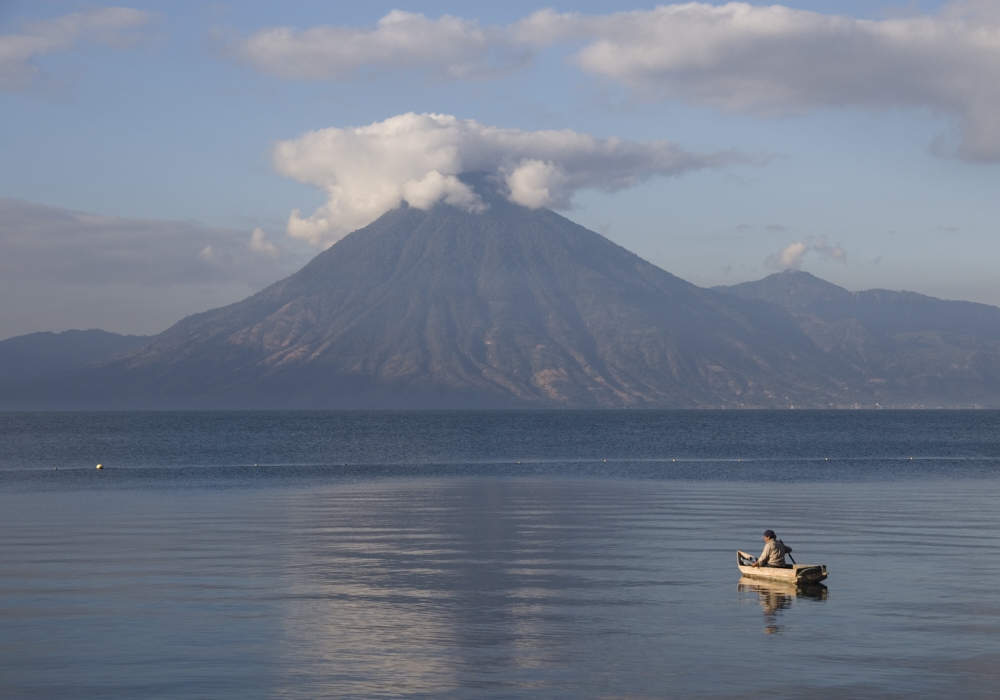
[(913, 350), (448, 309)]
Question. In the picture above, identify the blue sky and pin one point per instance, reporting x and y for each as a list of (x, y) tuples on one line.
[(139, 148)]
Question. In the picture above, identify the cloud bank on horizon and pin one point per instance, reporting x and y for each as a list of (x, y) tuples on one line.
[(764, 61), (417, 158), (117, 271), (74, 247)]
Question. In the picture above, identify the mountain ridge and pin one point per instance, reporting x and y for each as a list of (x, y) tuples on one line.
[(38, 354), (887, 310), (913, 349)]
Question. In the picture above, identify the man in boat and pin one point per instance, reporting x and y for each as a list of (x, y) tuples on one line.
[(774, 552)]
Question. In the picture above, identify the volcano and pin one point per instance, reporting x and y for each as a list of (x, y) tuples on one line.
[(507, 308)]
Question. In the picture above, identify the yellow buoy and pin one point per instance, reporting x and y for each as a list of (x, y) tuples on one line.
[(100, 466)]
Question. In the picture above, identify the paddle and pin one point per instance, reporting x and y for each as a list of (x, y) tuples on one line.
[(788, 550)]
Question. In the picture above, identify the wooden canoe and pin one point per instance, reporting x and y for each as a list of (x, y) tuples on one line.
[(794, 574)]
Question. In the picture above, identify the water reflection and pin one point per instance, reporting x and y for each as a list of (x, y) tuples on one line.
[(556, 589), (775, 597), (430, 588)]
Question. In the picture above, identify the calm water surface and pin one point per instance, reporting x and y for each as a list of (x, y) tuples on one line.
[(496, 555)]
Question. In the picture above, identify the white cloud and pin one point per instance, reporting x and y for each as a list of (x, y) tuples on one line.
[(417, 158), (259, 243), (790, 258), (449, 47), (774, 60), (793, 255), (111, 26), (764, 61)]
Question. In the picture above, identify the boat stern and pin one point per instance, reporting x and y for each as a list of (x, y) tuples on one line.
[(809, 573)]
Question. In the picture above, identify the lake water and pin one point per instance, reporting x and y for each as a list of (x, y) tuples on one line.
[(497, 555)]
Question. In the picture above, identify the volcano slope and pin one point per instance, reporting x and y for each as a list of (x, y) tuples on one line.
[(447, 309)]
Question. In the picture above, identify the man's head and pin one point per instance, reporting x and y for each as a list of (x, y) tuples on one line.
[(768, 534)]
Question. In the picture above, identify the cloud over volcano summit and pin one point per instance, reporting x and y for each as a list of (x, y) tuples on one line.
[(417, 158)]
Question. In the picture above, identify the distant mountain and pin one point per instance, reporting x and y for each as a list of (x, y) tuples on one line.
[(880, 310), (447, 309), (37, 354), (912, 349)]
